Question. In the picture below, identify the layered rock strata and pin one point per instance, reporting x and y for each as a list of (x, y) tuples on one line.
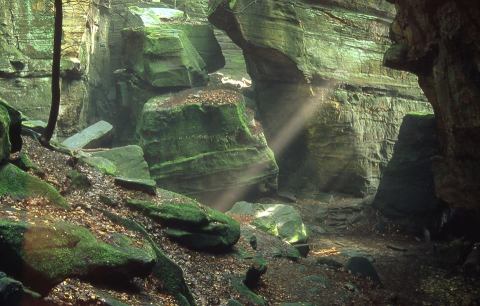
[(439, 42), (331, 111)]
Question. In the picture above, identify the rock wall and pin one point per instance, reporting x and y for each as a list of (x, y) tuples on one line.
[(26, 41), (407, 190), (331, 111), (440, 42)]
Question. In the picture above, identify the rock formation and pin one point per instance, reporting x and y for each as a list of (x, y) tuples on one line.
[(322, 60), (26, 42), (202, 141), (440, 42), (407, 189)]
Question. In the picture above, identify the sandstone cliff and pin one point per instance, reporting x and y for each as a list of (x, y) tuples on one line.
[(322, 60), (440, 42)]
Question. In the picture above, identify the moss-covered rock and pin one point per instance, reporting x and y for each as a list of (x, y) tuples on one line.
[(26, 164), (145, 185), (78, 180), (280, 220), (194, 225), (246, 294), (42, 256), (129, 161), (17, 183), (100, 163), (205, 141), (164, 57), (10, 129), (4, 134)]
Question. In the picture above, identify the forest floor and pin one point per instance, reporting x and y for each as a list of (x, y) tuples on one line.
[(412, 271)]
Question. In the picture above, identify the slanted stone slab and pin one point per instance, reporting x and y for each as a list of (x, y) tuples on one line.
[(190, 223), (145, 185), (91, 137), (34, 125)]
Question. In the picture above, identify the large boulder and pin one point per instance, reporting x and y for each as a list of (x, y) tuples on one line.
[(165, 56), (407, 188), (330, 110), (280, 220), (204, 141), (42, 256), (438, 41), (193, 225), (199, 32), (164, 59)]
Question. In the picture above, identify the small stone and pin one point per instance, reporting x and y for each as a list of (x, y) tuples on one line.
[(363, 267), (253, 242), (255, 272)]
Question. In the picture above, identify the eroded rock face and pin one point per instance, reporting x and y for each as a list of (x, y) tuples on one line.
[(26, 42), (407, 189), (331, 111), (440, 42), (202, 141)]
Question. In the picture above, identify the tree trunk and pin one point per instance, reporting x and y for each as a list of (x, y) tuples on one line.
[(57, 45)]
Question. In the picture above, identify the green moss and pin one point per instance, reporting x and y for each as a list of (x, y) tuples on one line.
[(128, 161), (10, 130), (17, 183), (100, 163), (421, 114), (197, 148), (192, 224), (165, 270), (26, 164), (5, 145), (165, 57), (49, 254), (78, 180)]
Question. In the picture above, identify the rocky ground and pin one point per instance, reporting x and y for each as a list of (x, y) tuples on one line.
[(410, 270)]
